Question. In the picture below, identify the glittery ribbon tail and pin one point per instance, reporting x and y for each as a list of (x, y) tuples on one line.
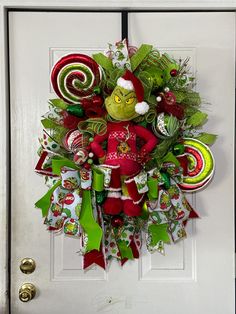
[(95, 256), (45, 201), (89, 224)]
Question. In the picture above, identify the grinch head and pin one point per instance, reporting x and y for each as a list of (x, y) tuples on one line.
[(126, 101), (121, 104)]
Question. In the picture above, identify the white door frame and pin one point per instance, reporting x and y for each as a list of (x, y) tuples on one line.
[(55, 5)]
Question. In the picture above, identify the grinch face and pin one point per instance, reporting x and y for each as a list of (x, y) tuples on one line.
[(121, 104)]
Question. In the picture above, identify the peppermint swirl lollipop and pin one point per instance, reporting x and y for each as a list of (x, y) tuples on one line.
[(201, 165), (74, 140), (74, 77)]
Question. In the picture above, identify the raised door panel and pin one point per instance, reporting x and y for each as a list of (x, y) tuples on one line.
[(37, 40)]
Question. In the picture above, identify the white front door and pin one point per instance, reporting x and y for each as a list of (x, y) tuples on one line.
[(196, 275)]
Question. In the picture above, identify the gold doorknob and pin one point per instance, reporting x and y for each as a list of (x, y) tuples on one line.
[(27, 292), (27, 265)]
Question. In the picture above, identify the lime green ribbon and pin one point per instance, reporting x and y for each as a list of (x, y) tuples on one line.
[(49, 124), (103, 61), (152, 184), (138, 57), (89, 224), (98, 180), (170, 157), (125, 250), (45, 202), (159, 233), (57, 164)]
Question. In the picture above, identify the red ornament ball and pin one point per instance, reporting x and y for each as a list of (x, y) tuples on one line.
[(85, 103), (97, 100), (117, 221), (173, 72)]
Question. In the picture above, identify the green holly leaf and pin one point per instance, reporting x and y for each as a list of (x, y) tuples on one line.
[(59, 103), (162, 149), (103, 61), (189, 111), (180, 95), (192, 99), (121, 56), (207, 138), (125, 250), (159, 233), (197, 119), (187, 97), (169, 157), (49, 124)]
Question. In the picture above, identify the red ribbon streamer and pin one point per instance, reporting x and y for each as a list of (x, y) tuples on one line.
[(94, 257), (135, 252)]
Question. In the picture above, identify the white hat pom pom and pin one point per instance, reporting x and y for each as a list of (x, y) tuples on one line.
[(126, 84), (130, 82), (141, 107)]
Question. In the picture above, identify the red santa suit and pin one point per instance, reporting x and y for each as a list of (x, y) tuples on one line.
[(121, 156)]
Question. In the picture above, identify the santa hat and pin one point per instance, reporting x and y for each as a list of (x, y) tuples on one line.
[(130, 82)]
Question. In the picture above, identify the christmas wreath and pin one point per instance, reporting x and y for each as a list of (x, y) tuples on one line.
[(120, 146)]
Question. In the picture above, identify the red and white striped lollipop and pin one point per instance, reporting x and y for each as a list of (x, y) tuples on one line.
[(201, 165), (74, 140), (74, 77)]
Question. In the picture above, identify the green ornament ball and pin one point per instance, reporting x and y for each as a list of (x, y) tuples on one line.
[(75, 110), (90, 161), (178, 149), (97, 90)]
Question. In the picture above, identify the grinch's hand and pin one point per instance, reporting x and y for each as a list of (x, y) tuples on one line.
[(102, 160), (143, 157)]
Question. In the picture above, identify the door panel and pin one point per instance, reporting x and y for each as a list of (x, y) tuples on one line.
[(38, 40), (196, 275), (209, 40)]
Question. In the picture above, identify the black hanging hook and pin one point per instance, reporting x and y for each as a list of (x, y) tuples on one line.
[(124, 24)]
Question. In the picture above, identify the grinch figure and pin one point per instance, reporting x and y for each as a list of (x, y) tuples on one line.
[(122, 154), (115, 168)]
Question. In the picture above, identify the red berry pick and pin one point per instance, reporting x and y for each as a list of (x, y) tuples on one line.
[(117, 221), (173, 72)]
